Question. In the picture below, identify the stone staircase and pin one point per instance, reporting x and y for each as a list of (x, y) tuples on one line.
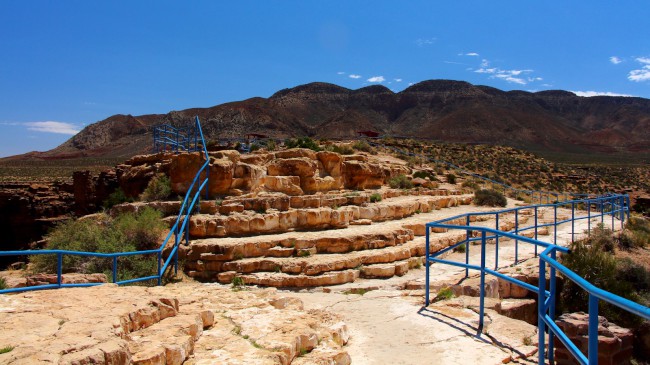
[(325, 244)]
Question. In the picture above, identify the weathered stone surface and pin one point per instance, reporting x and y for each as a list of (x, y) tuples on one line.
[(165, 325), (289, 185), (44, 279)]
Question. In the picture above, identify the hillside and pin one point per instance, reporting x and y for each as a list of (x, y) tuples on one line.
[(557, 122)]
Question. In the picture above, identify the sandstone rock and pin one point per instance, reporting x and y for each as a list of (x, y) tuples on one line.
[(332, 163), (296, 153), (289, 185)]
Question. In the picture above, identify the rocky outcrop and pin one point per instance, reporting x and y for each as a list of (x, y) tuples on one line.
[(292, 172), (175, 324), (614, 342)]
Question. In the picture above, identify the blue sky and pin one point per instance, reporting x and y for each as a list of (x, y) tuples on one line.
[(67, 64)]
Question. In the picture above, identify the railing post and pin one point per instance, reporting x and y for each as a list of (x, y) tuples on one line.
[(612, 211), (59, 268), (627, 199), (541, 311), (467, 237), (496, 240), (622, 211), (426, 267), (517, 233), (482, 299), (573, 208), (536, 230), (555, 224), (115, 269), (588, 217), (593, 330), (552, 298), (160, 274)]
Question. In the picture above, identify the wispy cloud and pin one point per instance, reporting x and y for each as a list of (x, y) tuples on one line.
[(513, 76), (353, 76), (643, 73), (472, 54), (9, 123), (376, 79), (423, 42), (398, 80), (52, 127), (599, 93), (615, 60), (340, 73)]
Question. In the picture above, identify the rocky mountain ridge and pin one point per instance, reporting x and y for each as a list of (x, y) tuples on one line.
[(446, 110)]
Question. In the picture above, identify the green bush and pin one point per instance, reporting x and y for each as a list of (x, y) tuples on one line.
[(271, 145), (302, 142), (159, 188), (115, 198), (342, 150), (451, 178), (3, 283), (470, 184), (424, 175), (490, 198), (375, 197), (362, 146), (400, 182), (590, 260), (126, 233)]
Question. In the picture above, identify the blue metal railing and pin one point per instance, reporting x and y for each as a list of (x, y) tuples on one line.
[(180, 231), (535, 195), (184, 139), (615, 206)]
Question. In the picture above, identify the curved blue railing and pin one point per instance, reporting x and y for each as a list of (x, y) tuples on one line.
[(614, 206), (179, 230), (536, 195)]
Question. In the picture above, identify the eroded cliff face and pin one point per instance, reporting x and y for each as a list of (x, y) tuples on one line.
[(29, 210)]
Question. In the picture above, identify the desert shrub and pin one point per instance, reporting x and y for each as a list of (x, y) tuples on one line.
[(470, 184), (461, 248), (115, 198), (400, 182), (302, 142), (340, 149), (126, 233), (423, 175), (603, 238), (375, 197), (255, 147), (444, 294), (142, 230), (3, 283), (362, 146), (159, 188), (490, 198), (271, 145), (590, 260), (451, 178)]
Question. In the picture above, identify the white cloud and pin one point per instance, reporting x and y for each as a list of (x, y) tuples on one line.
[(411, 84), (353, 76), (642, 74), (512, 76), (422, 42), (472, 54), (615, 60), (509, 78), (376, 79), (340, 73), (9, 123), (486, 70), (52, 127), (398, 80), (485, 63), (598, 93)]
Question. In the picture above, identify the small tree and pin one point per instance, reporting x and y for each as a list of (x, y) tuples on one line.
[(159, 188)]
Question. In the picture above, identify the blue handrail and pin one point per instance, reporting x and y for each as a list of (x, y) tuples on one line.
[(616, 206), (180, 231), (166, 136)]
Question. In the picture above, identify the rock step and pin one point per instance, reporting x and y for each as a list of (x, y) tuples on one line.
[(326, 269), (289, 245), (171, 341), (281, 202), (308, 219)]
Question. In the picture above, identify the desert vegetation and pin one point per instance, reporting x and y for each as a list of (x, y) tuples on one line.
[(101, 233)]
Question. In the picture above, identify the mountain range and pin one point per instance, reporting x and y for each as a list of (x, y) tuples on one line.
[(444, 110)]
